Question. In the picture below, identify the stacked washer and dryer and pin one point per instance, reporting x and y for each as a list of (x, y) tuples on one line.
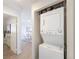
[(52, 33)]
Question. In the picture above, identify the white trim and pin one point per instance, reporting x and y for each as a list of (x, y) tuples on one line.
[(11, 14)]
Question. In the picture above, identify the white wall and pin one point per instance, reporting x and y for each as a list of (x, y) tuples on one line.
[(4, 24), (70, 29), (25, 22)]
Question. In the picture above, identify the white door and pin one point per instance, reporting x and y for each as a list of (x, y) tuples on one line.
[(14, 35)]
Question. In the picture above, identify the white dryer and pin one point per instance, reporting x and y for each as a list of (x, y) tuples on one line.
[(52, 33), (47, 51)]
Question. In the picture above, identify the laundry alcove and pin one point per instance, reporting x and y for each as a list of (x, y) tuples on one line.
[(69, 27), (37, 39)]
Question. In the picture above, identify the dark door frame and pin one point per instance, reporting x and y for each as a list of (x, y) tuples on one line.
[(58, 5)]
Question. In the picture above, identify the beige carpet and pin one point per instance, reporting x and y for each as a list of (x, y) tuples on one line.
[(26, 54)]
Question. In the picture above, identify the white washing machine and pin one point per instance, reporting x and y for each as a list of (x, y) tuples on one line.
[(52, 33), (47, 51)]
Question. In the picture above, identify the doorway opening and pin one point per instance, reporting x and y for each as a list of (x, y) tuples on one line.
[(14, 47)]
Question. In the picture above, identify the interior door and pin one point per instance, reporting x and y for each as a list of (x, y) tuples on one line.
[(14, 35)]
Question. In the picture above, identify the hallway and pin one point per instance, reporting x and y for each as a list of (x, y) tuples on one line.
[(26, 54)]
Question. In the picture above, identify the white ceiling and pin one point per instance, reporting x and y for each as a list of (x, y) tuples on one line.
[(33, 1), (18, 4)]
